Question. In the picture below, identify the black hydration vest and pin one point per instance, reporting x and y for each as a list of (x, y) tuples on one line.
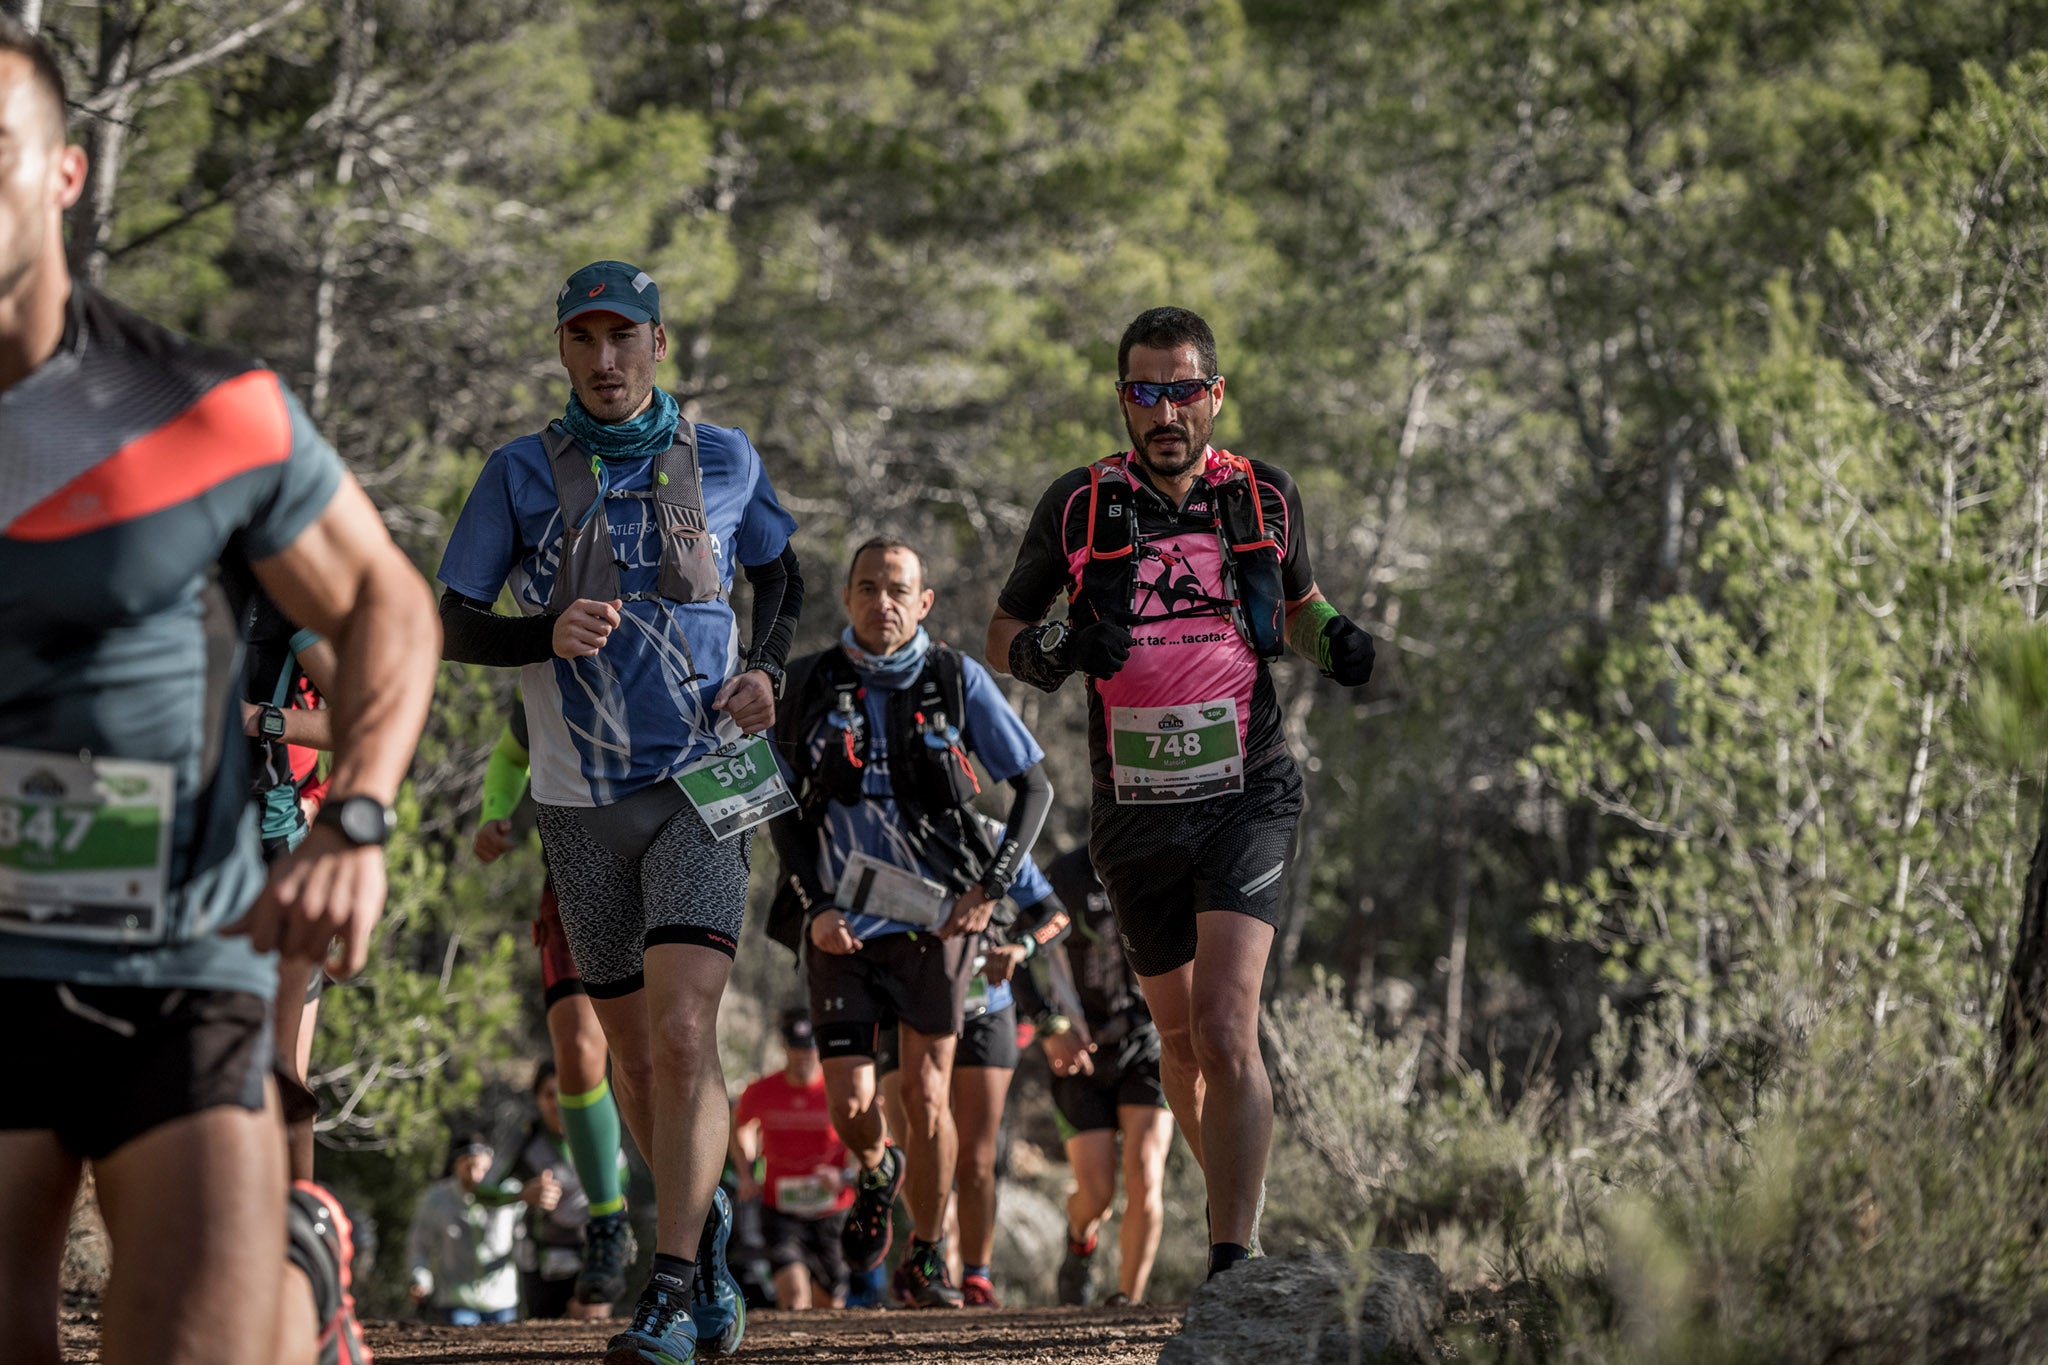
[(1257, 606), (590, 567), (930, 777)]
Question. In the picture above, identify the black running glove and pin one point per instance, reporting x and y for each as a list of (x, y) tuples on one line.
[(1347, 652), (1098, 649)]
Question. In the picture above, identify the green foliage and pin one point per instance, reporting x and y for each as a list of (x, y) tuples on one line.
[(1664, 381)]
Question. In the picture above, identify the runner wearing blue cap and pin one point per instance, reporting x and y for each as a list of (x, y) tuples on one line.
[(618, 530)]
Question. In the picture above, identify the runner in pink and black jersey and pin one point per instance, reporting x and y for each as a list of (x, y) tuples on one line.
[(1187, 573)]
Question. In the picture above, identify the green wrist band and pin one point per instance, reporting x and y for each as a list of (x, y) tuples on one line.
[(1305, 631)]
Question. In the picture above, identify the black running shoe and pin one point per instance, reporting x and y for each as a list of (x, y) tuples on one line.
[(319, 1241), (866, 1236), (1077, 1273), (608, 1248), (926, 1281)]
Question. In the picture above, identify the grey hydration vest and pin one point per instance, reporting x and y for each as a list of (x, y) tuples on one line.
[(689, 569)]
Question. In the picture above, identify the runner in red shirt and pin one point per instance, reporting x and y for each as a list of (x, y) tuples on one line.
[(784, 1124)]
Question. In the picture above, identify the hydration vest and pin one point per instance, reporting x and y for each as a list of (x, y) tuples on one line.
[(930, 777), (589, 564), (1256, 604)]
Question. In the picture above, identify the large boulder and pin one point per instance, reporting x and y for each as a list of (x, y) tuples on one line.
[(1315, 1308)]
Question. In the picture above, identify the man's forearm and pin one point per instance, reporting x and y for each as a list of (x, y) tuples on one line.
[(309, 729), (386, 645), (1003, 629)]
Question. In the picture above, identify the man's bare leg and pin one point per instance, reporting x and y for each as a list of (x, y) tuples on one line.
[(979, 1093), (1169, 997), (38, 1185), (1148, 1135), (930, 1141), (793, 1288), (856, 1109), (1092, 1158), (294, 1018), (195, 1215), (664, 1045), (1237, 1099)]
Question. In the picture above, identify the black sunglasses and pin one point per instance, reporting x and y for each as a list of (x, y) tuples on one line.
[(1179, 392)]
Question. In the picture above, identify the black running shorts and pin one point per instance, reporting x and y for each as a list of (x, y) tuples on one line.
[(810, 1242), (1128, 1074), (919, 979), (988, 1039), (1163, 864), (102, 1065)]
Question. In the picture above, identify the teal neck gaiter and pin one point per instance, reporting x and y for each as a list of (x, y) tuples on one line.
[(652, 432)]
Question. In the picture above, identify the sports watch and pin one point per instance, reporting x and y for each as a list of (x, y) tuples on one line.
[(270, 722), (1051, 638), (362, 820), (776, 677)]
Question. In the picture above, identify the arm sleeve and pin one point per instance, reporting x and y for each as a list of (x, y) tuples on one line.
[(504, 778), (778, 599), (1042, 923), (1032, 1001), (471, 633), (1027, 817), (798, 850)]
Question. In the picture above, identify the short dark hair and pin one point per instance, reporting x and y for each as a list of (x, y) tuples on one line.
[(884, 543), (16, 37), (1166, 329)]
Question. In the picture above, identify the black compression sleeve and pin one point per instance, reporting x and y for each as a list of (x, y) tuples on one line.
[(1029, 663), (1043, 924), (797, 847), (471, 633), (778, 598), (1027, 818)]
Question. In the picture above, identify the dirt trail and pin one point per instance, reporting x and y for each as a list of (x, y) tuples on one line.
[(1024, 1336)]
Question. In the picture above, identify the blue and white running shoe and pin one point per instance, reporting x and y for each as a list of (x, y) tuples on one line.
[(720, 1309)]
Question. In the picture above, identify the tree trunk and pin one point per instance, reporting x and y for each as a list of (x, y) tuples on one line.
[(92, 222), (28, 13), (2023, 1022)]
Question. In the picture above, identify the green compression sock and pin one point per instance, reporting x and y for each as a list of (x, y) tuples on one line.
[(591, 1121)]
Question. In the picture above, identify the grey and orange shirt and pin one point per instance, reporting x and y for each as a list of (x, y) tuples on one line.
[(140, 476)]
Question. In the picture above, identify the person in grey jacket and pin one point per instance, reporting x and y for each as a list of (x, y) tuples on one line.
[(460, 1249)]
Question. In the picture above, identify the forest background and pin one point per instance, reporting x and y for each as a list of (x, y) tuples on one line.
[(1668, 387)]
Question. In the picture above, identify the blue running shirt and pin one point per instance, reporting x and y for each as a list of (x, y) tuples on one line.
[(991, 732), (606, 727)]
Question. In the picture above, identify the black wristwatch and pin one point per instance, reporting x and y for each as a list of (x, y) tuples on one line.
[(270, 722), (1051, 638), (362, 820), (776, 677)]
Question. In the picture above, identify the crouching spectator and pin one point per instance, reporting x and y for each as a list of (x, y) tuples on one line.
[(460, 1248)]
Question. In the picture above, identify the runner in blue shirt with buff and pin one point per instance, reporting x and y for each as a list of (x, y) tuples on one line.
[(618, 530), (891, 877)]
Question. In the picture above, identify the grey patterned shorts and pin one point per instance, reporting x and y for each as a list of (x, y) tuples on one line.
[(683, 887)]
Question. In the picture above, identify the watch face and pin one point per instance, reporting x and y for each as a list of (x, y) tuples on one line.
[(365, 821), (273, 723), (1055, 636)]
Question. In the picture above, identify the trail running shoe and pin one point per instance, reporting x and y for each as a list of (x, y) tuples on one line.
[(608, 1248), (1117, 1300), (1077, 1273), (927, 1281), (662, 1332), (719, 1308), (320, 1242), (978, 1291), (899, 1288), (866, 1237)]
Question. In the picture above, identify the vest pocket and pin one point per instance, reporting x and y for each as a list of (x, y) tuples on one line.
[(689, 567)]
